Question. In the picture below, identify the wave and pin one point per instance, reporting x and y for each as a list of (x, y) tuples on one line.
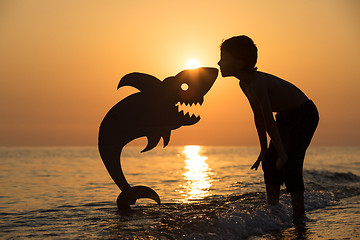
[(333, 177)]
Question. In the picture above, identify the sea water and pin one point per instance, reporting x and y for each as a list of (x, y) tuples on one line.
[(206, 193)]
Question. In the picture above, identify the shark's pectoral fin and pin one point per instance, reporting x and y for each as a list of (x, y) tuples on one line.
[(166, 137), (153, 140), (129, 197)]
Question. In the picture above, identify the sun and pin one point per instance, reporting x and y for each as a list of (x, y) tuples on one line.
[(192, 63)]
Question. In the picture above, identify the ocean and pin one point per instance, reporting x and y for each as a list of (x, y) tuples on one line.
[(206, 193)]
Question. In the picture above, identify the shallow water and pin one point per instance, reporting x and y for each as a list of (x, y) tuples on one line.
[(206, 192)]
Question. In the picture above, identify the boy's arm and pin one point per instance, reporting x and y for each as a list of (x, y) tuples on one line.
[(261, 131), (260, 127), (263, 104)]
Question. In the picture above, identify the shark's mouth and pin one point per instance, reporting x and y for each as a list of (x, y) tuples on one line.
[(188, 111)]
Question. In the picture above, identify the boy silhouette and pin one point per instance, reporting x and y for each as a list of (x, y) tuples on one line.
[(290, 134)]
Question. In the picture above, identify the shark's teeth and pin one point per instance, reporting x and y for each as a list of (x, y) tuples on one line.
[(189, 108)]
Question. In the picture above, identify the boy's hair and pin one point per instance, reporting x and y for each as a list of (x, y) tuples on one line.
[(242, 47)]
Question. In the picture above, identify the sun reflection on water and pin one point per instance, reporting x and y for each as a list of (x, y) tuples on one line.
[(197, 175)]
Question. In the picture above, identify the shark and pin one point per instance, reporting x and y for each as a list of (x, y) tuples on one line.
[(153, 112)]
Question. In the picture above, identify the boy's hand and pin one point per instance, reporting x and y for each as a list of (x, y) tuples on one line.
[(257, 163), (280, 162)]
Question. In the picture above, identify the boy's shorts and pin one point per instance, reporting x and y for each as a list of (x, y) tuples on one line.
[(296, 127)]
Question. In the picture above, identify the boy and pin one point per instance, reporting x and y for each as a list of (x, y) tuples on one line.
[(291, 132)]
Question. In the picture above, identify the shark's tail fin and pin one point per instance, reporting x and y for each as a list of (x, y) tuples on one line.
[(128, 197)]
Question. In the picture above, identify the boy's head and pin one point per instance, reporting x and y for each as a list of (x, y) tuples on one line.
[(242, 53)]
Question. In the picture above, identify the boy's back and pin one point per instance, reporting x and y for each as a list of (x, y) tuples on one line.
[(281, 94)]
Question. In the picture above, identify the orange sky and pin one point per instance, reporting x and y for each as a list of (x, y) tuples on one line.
[(60, 63)]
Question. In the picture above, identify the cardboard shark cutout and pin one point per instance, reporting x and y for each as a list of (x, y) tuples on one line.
[(153, 113)]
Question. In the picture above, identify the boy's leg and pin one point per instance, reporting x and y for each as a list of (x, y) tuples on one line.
[(272, 194), (273, 178), (297, 199)]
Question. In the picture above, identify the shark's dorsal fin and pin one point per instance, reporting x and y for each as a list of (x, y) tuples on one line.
[(142, 81)]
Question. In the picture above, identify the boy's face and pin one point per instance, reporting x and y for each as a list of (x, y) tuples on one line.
[(228, 64)]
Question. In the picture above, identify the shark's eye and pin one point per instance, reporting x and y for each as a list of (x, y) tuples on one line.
[(184, 86)]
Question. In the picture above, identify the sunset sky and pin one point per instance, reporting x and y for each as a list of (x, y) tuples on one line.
[(61, 61)]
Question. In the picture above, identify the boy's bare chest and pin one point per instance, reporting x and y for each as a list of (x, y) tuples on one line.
[(249, 93)]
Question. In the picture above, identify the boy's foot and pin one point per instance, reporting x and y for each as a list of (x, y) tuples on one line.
[(277, 209), (300, 221)]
